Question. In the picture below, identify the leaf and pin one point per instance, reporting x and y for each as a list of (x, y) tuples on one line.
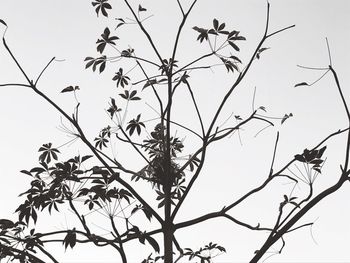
[(153, 243), (121, 79), (3, 22), (216, 24), (285, 117), (70, 88), (260, 51), (102, 67), (234, 45), (128, 52), (262, 108), (86, 157), (299, 158), (221, 27), (5, 223), (26, 172), (70, 239), (263, 49), (321, 151), (135, 124), (101, 6), (236, 59), (133, 95), (106, 39), (142, 9), (47, 153), (230, 66), (203, 33), (5, 240), (90, 63), (113, 108), (301, 84), (122, 22), (94, 62)]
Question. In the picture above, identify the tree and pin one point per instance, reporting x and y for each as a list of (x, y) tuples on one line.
[(106, 184)]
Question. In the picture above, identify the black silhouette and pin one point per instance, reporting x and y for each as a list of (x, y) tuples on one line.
[(104, 183)]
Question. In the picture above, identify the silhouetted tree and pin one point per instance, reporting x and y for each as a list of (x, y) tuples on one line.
[(101, 183)]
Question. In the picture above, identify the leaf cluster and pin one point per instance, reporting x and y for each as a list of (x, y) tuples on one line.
[(312, 157)]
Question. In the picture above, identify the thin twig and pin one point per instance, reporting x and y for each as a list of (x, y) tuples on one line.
[(15, 84), (274, 154), (42, 72), (180, 6), (279, 31), (329, 53), (196, 106), (312, 68)]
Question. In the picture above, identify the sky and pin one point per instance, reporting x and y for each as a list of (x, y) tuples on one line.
[(39, 30)]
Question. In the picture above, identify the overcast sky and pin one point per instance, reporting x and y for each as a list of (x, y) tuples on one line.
[(39, 30)]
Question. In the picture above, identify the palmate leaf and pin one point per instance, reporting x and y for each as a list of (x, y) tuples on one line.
[(106, 39), (121, 79), (312, 157), (113, 108), (135, 125), (127, 52), (129, 95), (47, 153), (94, 62), (101, 141), (101, 6), (203, 33)]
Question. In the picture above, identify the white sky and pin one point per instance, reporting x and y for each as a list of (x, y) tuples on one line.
[(39, 30)]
